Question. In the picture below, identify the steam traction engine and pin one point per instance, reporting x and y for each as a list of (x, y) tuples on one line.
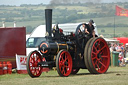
[(68, 53)]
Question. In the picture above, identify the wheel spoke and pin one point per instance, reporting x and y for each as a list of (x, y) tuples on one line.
[(94, 53), (101, 52), (102, 48), (63, 72), (38, 59), (32, 59), (34, 70), (98, 46), (104, 56), (66, 58), (37, 70), (97, 64), (94, 58), (95, 49), (102, 64), (99, 59), (61, 63), (61, 58)]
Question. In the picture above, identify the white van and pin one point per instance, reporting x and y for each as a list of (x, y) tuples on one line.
[(38, 35), (35, 38)]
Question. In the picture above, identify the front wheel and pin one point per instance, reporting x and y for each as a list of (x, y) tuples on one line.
[(32, 64), (64, 63)]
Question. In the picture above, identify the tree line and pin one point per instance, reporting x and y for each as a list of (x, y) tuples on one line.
[(26, 12)]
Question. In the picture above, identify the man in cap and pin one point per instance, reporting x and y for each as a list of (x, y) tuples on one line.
[(90, 29)]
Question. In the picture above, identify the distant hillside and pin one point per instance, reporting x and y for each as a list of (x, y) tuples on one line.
[(31, 16)]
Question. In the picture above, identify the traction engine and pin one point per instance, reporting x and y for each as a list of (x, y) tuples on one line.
[(68, 53)]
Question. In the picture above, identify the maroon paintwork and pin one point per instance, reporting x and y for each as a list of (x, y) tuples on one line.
[(12, 42)]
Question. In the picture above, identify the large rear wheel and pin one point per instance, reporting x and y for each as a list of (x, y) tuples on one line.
[(64, 63), (32, 64), (98, 55)]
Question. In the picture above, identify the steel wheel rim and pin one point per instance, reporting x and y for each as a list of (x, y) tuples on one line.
[(86, 56), (65, 63), (34, 59), (100, 55)]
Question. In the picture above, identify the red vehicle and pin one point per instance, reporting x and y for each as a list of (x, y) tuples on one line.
[(68, 53), (123, 40)]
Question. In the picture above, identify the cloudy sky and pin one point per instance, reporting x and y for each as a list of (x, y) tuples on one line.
[(19, 2)]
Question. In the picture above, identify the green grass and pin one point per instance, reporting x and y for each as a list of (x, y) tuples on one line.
[(114, 76), (106, 20), (110, 31)]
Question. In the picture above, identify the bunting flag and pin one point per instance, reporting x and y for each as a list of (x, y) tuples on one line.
[(121, 11)]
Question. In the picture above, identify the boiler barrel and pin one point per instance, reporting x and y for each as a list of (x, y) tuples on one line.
[(52, 48)]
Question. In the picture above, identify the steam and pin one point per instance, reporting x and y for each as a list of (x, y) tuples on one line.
[(53, 3)]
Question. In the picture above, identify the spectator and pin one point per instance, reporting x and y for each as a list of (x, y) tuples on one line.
[(121, 59), (126, 50), (126, 53), (110, 47), (120, 48), (121, 55), (114, 47)]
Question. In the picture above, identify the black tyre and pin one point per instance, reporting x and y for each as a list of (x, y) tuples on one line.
[(86, 56)]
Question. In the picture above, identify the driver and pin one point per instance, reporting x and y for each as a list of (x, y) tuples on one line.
[(90, 29)]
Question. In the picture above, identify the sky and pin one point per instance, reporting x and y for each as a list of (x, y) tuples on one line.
[(19, 2)]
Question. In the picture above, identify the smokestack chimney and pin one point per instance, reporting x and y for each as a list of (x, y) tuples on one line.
[(48, 21)]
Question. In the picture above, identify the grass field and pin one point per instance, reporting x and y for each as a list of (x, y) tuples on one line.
[(98, 21), (109, 31), (114, 76)]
